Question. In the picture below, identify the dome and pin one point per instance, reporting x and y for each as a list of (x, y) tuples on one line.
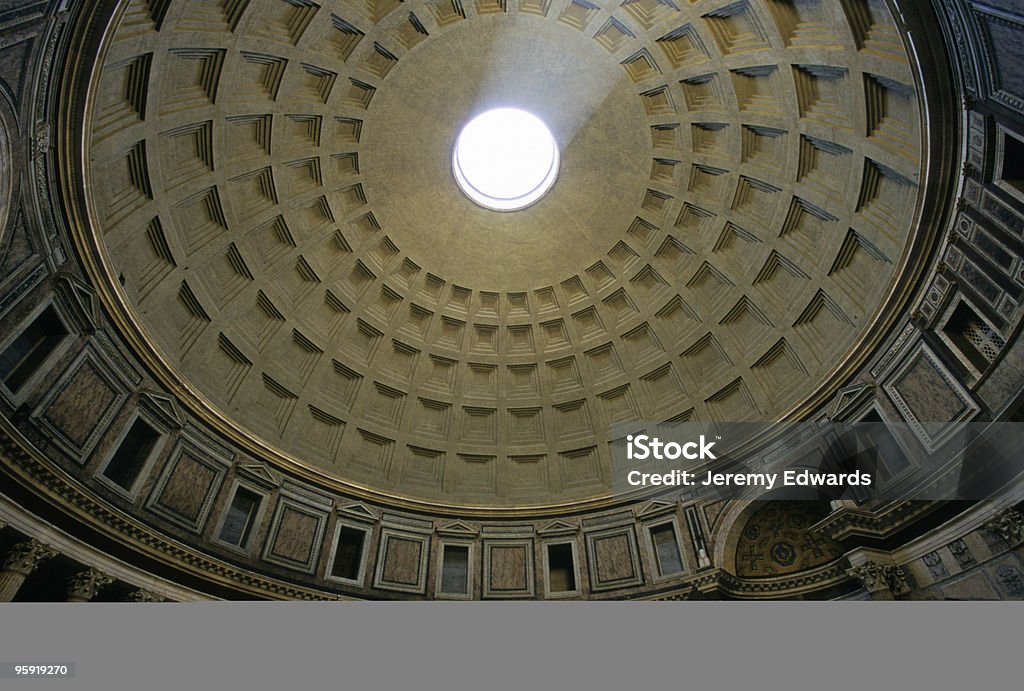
[(279, 318), (276, 222)]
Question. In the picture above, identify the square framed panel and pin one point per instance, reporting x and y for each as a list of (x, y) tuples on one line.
[(613, 559), (929, 398), (186, 488), (508, 569), (79, 407), (295, 535), (402, 561)]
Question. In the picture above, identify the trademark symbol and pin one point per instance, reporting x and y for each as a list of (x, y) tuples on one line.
[(718, 437)]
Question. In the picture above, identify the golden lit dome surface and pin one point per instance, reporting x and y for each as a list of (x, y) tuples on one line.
[(272, 196)]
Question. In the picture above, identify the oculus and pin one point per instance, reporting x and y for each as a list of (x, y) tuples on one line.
[(505, 159)]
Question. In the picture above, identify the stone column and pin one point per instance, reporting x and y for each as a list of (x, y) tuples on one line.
[(19, 563), (85, 585)]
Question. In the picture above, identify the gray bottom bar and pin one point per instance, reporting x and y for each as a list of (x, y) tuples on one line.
[(497, 646)]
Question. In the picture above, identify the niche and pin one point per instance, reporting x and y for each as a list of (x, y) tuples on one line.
[(668, 557), (973, 336), (348, 554), (455, 570), (237, 528), (24, 356), (131, 455), (561, 560)]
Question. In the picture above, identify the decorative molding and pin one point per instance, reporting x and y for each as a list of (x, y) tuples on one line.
[(849, 399), (558, 527), (894, 350), (654, 508), (457, 529), (19, 291), (357, 512), (79, 301), (163, 407), (846, 522)]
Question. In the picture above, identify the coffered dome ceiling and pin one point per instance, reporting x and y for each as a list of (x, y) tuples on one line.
[(273, 204)]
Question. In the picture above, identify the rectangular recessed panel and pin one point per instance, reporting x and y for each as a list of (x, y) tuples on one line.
[(508, 568), (402, 562), (666, 549), (133, 451), (81, 403), (613, 560), (295, 536), (348, 555), (185, 491), (561, 568), (455, 570), (26, 354), (238, 523)]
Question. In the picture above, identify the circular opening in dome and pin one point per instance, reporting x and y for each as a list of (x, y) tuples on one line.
[(505, 159)]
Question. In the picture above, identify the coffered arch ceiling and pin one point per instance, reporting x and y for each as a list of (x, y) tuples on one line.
[(271, 197)]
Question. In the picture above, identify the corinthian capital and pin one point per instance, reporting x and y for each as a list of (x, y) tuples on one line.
[(26, 556), (85, 585), (1008, 525), (875, 577)]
